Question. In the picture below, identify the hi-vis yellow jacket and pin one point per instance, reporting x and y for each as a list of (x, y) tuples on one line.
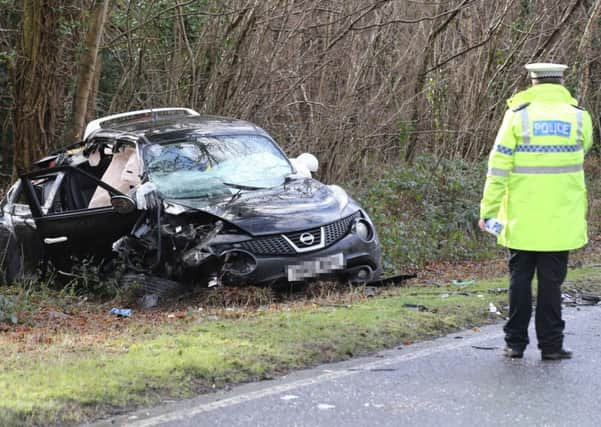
[(535, 181)]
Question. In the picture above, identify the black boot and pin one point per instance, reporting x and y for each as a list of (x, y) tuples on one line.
[(514, 353), (556, 355)]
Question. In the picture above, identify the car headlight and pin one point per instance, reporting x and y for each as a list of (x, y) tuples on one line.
[(239, 263), (364, 230)]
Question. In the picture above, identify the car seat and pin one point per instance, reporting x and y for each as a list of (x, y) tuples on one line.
[(123, 174)]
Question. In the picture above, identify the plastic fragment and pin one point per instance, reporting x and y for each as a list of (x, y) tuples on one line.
[(121, 312), (415, 307), (463, 283), (492, 308)]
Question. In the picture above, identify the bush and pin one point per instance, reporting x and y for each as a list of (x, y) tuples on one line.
[(428, 211)]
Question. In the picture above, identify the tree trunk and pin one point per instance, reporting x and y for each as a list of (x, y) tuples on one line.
[(422, 73), (87, 67), (585, 49), (38, 83)]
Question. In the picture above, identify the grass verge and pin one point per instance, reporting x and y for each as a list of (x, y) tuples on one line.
[(108, 364)]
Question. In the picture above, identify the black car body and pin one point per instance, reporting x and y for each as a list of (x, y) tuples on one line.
[(185, 197)]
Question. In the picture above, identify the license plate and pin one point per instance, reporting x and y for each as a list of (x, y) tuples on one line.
[(315, 267)]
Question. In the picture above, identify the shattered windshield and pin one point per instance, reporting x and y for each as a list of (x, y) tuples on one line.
[(208, 166)]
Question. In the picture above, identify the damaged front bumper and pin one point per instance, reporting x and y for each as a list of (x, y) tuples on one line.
[(197, 248), (349, 258)]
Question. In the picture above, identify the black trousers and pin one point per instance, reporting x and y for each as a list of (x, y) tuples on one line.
[(551, 269)]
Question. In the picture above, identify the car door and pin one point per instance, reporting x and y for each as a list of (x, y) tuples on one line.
[(67, 228)]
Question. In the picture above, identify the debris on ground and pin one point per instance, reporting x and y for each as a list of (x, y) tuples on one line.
[(484, 347), (574, 296), (415, 307), (588, 299), (121, 312), (463, 282), (149, 301), (492, 308)]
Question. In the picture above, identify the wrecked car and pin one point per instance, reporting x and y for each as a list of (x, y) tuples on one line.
[(173, 194)]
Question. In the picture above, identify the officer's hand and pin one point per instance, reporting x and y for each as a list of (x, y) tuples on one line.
[(482, 225)]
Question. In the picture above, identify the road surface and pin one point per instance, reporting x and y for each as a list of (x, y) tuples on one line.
[(458, 380)]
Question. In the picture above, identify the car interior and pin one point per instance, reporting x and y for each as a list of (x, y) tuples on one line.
[(122, 173), (77, 187)]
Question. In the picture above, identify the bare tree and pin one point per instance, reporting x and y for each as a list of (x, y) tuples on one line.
[(88, 63), (359, 83)]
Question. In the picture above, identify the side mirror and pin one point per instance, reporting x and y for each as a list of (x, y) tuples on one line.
[(309, 161), (123, 204)]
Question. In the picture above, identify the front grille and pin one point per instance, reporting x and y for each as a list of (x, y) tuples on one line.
[(268, 245), (337, 230), (277, 244), (295, 237)]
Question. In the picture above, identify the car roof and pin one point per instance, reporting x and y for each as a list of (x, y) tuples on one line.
[(160, 128)]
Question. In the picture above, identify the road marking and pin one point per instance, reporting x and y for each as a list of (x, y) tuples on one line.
[(183, 414), (327, 376)]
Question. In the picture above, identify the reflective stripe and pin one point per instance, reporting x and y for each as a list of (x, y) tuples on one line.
[(579, 138), (547, 148), (525, 126), (547, 169), (498, 172), (504, 150)]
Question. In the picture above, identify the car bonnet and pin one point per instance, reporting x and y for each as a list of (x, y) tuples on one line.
[(300, 205)]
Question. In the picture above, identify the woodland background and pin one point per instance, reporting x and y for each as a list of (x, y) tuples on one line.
[(393, 96), (359, 83)]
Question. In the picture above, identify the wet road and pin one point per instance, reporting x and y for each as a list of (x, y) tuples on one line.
[(447, 382)]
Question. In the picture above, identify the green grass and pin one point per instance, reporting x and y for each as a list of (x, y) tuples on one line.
[(176, 359)]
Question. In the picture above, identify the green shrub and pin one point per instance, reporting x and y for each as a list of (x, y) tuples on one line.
[(428, 211)]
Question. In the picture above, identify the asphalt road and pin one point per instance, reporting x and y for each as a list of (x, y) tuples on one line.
[(448, 382)]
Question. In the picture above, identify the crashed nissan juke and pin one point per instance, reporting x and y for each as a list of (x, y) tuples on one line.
[(172, 194)]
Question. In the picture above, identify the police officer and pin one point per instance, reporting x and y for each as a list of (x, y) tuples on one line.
[(535, 187)]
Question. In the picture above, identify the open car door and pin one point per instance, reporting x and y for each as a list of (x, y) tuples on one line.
[(58, 198)]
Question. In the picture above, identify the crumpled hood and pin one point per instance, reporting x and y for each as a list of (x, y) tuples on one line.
[(298, 205)]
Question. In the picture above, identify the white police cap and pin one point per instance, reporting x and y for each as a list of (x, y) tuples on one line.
[(544, 69)]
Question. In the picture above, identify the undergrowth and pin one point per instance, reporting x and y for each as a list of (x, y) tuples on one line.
[(428, 211)]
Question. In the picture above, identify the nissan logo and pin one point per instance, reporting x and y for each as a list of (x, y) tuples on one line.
[(307, 239)]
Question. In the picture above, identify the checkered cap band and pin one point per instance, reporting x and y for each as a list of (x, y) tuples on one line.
[(543, 74)]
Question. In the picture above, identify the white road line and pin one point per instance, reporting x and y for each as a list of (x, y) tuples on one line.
[(288, 387), (327, 376)]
